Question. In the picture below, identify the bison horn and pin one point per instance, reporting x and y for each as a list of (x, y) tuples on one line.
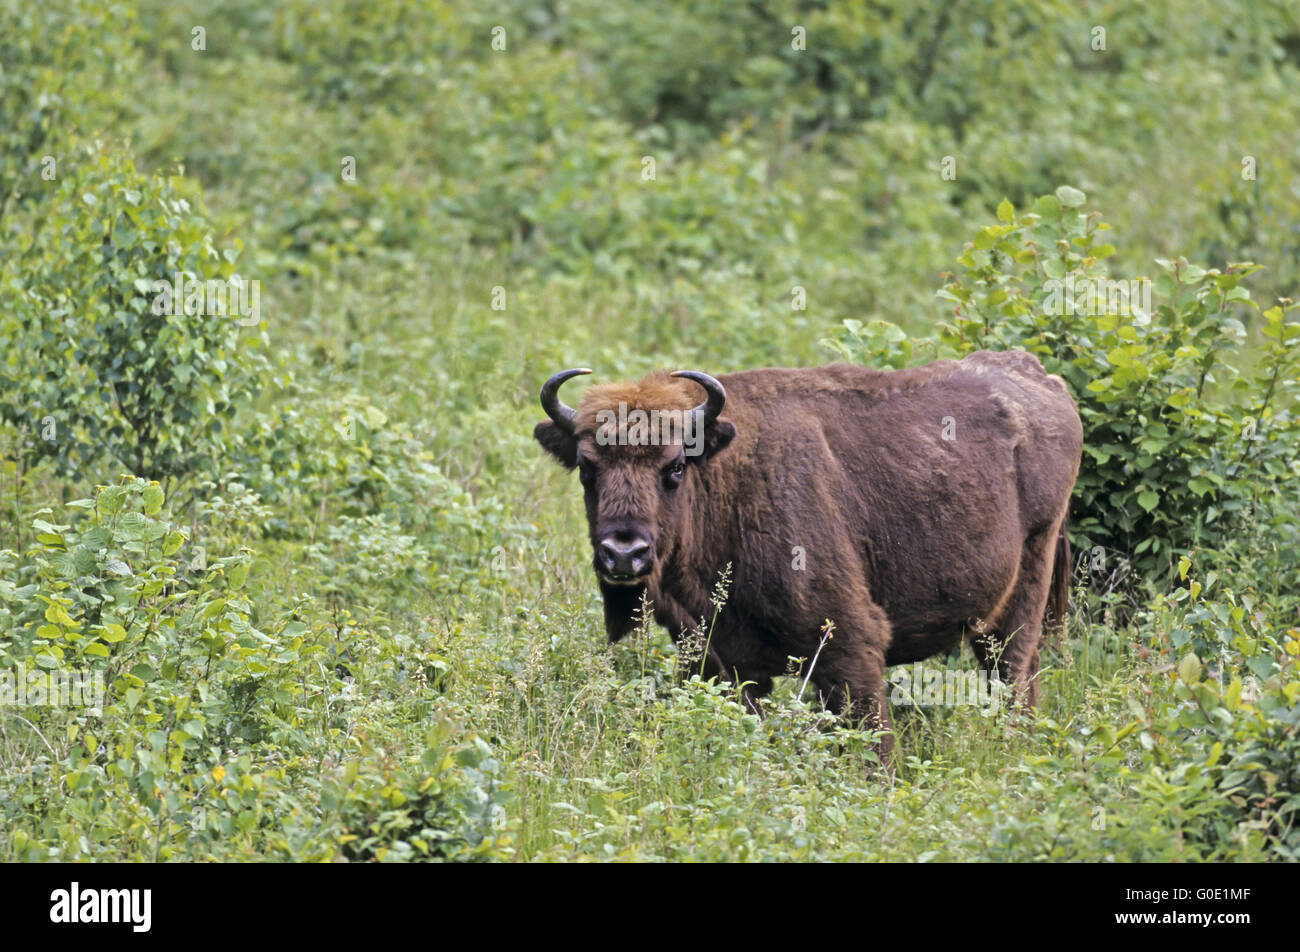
[(563, 416), (707, 411)]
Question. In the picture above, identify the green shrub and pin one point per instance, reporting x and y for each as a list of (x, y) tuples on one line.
[(121, 591), (215, 718), (60, 64), (361, 558), (1179, 439), (1229, 737), (188, 672), (446, 804), (97, 368)]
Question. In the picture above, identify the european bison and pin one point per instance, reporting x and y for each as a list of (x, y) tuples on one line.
[(911, 507)]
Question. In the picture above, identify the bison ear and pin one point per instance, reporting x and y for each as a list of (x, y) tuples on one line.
[(563, 446), (716, 438)]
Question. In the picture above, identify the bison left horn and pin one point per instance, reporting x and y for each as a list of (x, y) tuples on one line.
[(707, 411), (564, 416)]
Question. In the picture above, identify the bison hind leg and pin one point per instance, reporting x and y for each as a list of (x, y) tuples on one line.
[(850, 675), (1012, 640)]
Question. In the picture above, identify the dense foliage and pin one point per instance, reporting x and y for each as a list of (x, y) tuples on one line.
[(339, 600), (113, 349)]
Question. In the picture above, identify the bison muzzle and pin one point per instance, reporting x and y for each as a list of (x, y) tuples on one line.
[(910, 507)]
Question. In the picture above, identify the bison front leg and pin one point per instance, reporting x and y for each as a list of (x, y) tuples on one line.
[(697, 653), (850, 675), (711, 665)]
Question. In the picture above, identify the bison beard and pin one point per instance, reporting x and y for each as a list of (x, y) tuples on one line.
[(911, 507)]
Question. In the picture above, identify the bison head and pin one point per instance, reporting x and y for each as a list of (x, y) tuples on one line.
[(640, 450)]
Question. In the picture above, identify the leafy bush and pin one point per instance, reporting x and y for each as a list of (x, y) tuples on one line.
[(213, 721), (62, 62), (1232, 725), (101, 366), (187, 671), (449, 804), (379, 517), (365, 556)]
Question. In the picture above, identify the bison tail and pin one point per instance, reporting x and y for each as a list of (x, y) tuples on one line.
[(1058, 599)]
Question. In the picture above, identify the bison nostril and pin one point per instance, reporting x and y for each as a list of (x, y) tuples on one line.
[(621, 548), (623, 556)]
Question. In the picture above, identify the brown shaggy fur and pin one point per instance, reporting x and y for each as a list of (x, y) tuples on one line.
[(911, 540)]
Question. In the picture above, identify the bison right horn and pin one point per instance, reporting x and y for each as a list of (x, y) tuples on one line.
[(707, 411), (564, 416)]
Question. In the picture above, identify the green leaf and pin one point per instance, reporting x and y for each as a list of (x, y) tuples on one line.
[(1048, 206), (1232, 697), (110, 499), (153, 498), (131, 527), (1006, 211), (117, 567), (1070, 197)]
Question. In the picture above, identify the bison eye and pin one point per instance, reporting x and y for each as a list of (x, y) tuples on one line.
[(673, 474), (586, 472)]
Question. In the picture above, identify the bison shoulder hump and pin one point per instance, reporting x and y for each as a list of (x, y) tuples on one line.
[(1017, 360)]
